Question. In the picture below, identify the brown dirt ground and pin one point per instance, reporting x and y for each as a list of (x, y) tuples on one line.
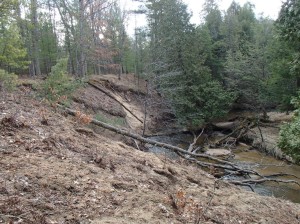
[(53, 169), (98, 101), (133, 96), (270, 134)]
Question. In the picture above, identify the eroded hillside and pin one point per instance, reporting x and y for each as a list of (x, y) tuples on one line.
[(55, 169)]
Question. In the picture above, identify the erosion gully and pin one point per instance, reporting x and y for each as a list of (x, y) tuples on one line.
[(252, 159)]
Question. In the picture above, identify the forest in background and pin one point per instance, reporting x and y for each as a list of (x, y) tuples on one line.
[(232, 60)]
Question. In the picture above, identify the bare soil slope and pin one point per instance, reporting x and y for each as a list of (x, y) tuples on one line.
[(55, 170)]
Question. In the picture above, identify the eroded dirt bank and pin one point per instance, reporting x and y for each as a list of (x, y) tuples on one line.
[(56, 170)]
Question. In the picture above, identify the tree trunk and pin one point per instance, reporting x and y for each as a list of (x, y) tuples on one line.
[(81, 59), (36, 70), (68, 23)]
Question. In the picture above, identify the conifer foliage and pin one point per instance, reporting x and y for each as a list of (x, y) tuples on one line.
[(231, 59)]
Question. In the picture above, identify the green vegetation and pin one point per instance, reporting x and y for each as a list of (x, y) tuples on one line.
[(180, 55), (230, 60), (13, 53), (290, 134), (8, 81), (288, 28), (115, 121), (59, 86)]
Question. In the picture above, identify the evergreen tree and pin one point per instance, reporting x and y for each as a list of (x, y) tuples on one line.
[(48, 45), (12, 51), (178, 58), (215, 43), (288, 25), (245, 67)]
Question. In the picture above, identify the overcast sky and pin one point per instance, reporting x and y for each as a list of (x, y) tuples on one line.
[(269, 8)]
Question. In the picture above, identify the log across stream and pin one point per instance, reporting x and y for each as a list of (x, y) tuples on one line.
[(226, 168), (248, 159)]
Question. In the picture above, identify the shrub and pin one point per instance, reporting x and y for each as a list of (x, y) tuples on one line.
[(8, 81), (59, 86), (289, 140), (197, 104)]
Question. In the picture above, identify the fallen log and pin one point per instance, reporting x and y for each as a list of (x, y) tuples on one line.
[(226, 125), (193, 157), (222, 163), (149, 141), (168, 133), (114, 98)]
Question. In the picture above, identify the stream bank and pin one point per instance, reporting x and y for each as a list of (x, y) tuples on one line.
[(63, 172), (268, 165), (264, 137), (245, 158), (134, 97)]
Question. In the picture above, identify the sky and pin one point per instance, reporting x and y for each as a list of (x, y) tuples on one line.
[(269, 8)]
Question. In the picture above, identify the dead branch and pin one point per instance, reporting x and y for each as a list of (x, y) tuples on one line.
[(238, 171), (153, 142), (114, 98), (263, 180), (192, 145), (137, 145), (239, 131), (245, 130), (193, 157), (282, 175), (229, 135), (260, 132)]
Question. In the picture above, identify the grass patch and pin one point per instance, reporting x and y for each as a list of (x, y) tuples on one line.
[(114, 121)]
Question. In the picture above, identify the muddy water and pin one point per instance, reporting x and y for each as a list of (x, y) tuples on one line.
[(267, 165), (252, 159), (180, 140)]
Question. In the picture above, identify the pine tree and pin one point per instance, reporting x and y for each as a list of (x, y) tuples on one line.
[(178, 53)]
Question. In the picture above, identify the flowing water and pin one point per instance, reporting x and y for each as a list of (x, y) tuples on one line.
[(267, 165), (252, 159)]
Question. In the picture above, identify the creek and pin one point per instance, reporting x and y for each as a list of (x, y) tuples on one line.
[(252, 159)]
